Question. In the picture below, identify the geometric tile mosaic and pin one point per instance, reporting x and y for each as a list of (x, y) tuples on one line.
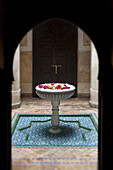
[(78, 130)]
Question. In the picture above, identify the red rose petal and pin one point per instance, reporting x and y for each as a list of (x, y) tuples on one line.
[(40, 86)]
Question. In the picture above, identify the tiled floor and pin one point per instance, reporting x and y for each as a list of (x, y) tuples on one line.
[(59, 158)]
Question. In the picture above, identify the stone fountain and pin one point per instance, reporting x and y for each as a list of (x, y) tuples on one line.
[(55, 95)]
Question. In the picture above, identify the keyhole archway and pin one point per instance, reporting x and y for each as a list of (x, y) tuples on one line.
[(76, 52), (14, 31)]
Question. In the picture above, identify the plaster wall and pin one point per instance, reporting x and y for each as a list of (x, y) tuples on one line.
[(83, 70), (26, 63)]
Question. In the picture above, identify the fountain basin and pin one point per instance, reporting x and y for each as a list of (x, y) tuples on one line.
[(55, 95), (50, 94)]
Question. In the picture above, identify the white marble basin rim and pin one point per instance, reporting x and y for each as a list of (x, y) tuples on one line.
[(55, 94)]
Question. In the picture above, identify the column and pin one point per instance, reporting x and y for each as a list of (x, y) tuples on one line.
[(55, 117), (16, 91), (94, 78)]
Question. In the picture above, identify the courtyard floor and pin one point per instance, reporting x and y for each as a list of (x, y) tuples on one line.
[(55, 158)]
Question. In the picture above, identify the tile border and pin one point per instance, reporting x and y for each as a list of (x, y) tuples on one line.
[(39, 161), (16, 117)]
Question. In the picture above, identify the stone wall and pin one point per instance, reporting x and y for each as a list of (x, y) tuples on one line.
[(83, 59), (83, 70), (26, 64)]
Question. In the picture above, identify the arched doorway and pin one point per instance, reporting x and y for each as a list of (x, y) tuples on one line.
[(36, 63), (82, 55), (83, 67)]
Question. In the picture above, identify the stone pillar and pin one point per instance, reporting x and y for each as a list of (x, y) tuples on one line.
[(16, 91), (55, 117), (94, 78)]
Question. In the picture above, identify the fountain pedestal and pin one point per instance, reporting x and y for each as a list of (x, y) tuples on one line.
[(55, 96), (55, 116)]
